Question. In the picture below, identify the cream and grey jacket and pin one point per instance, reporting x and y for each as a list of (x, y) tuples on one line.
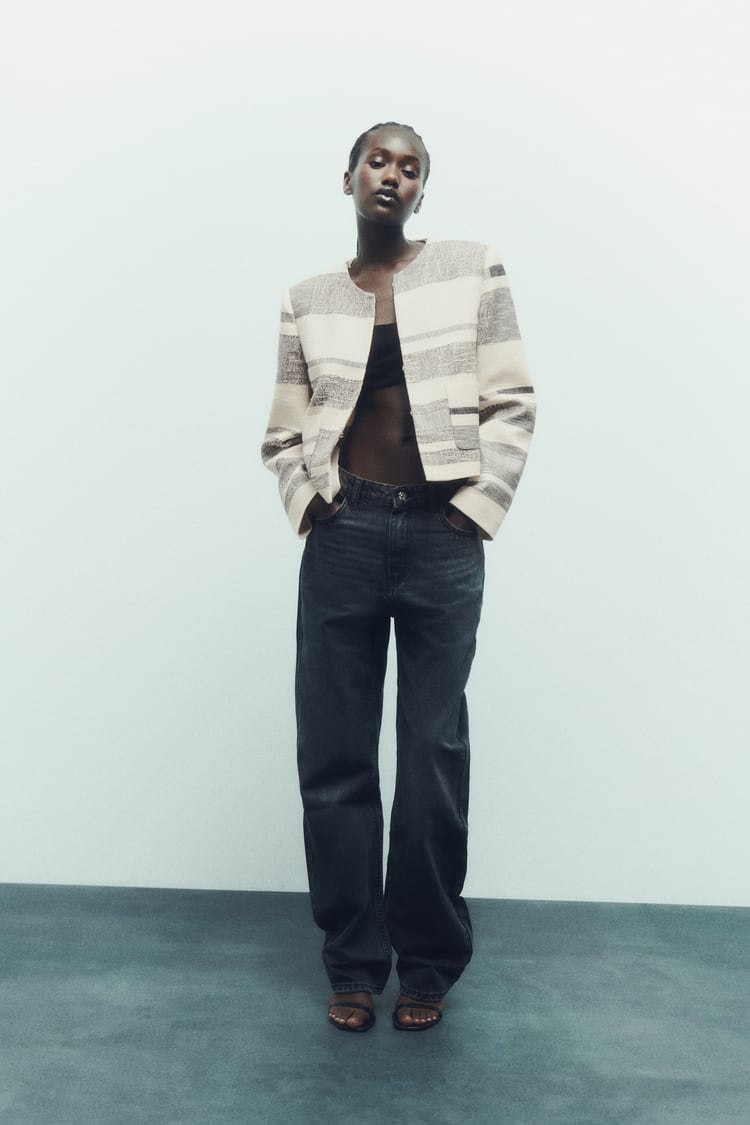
[(471, 400)]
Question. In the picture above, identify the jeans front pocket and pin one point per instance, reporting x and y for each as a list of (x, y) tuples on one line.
[(464, 533), (334, 516)]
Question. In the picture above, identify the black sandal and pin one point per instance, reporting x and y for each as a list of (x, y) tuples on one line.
[(369, 1022), (416, 1026)]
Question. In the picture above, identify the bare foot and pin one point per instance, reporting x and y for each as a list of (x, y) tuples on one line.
[(342, 1013), (414, 1015)]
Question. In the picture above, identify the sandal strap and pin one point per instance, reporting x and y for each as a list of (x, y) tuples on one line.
[(351, 1004), (418, 1004)]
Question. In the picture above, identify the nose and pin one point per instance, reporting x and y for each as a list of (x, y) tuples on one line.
[(390, 175)]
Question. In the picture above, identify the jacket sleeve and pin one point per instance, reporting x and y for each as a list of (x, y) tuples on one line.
[(506, 405), (282, 446)]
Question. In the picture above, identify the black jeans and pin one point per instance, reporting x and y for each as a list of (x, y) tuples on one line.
[(388, 552)]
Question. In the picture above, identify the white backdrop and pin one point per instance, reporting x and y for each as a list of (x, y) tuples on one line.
[(171, 167)]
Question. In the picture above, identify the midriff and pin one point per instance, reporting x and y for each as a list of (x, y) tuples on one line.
[(380, 443)]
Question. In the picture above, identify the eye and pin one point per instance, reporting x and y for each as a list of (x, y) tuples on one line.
[(410, 173), (375, 163)]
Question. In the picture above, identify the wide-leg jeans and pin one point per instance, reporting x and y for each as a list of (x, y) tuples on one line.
[(388, 553)]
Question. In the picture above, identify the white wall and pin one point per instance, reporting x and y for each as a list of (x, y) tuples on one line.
[(170, 168)]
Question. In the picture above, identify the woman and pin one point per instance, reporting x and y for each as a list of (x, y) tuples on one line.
[(398, 431)]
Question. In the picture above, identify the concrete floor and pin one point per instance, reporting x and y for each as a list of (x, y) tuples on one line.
[(208, 1008)]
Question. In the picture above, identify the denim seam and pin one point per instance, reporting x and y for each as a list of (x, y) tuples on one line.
[(428, 997), (356, 986)]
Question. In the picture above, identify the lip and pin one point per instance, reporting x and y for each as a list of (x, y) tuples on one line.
[(385, 196)]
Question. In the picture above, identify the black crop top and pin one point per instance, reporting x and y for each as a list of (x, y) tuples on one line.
[(385, 365)]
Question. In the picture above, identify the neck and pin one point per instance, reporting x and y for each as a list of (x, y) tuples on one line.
[(380, 245)]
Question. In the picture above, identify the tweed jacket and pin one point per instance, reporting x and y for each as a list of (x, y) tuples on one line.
[(471, 400)]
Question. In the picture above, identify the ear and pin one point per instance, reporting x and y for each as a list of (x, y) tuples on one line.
[(347, 183), (418, 208)]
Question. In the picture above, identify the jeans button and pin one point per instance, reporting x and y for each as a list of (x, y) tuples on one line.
[(402, 496)]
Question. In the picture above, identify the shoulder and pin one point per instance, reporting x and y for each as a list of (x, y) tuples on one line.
[(446, 260), (457, 247), (325, 278), (327, 292), (463, 254)]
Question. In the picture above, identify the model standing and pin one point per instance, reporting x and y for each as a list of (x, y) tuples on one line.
[(399, 429)]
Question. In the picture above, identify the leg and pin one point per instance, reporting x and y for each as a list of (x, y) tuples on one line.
[(342, 645), (437, 614)]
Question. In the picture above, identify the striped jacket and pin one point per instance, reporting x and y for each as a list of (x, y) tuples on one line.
[(466, 377)]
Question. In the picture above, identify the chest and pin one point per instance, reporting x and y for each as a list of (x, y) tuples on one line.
[(380, 284)]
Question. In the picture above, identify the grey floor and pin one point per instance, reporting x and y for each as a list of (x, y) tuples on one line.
[(207, 1008)]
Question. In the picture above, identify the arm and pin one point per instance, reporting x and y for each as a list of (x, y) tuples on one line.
[(506, 405), (282, 446)]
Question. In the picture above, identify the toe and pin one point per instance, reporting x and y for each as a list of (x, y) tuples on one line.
[(342, 1013), (414, 1014)]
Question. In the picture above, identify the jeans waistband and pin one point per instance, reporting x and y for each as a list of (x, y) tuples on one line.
[(431, 495)]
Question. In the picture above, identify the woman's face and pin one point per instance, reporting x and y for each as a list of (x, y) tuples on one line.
[(388, 181)]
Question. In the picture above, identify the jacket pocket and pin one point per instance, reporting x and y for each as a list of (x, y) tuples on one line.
[(463, 402)]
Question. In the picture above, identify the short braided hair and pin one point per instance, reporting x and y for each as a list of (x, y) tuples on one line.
[(359, 144)]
